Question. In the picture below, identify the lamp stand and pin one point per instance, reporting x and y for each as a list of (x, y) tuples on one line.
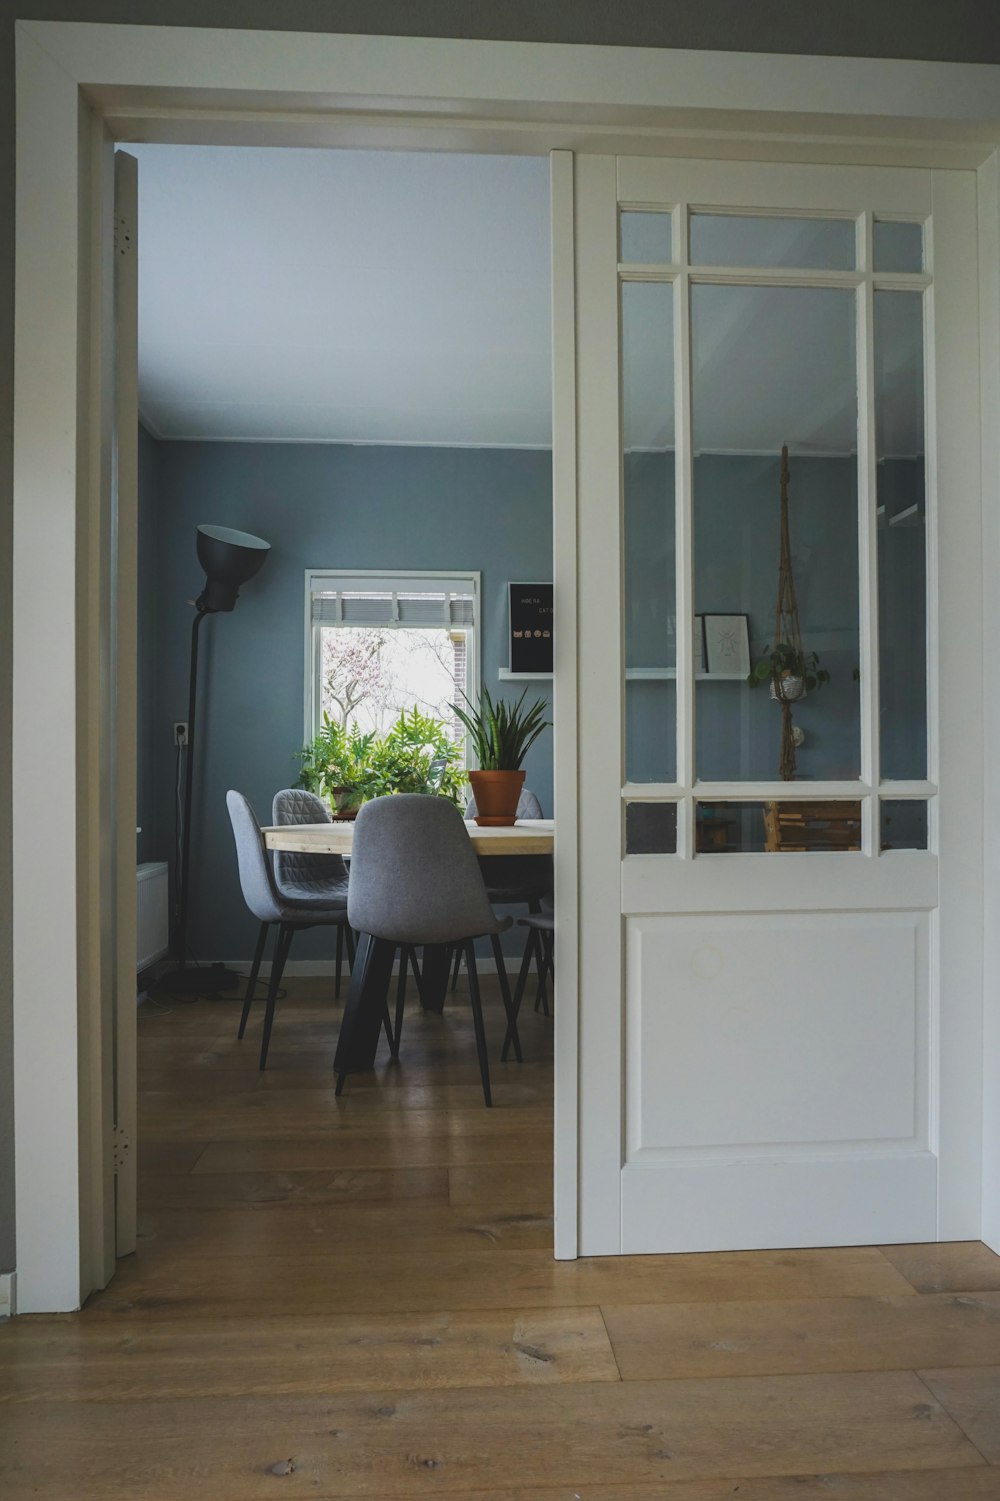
[(184, 978)]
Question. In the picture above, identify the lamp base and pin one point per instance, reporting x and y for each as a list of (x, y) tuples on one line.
[(209, 980)]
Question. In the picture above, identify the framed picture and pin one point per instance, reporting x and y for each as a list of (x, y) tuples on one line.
[(727, 645), (699, 644)]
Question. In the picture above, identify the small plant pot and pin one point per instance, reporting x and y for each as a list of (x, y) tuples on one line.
[(344, 802), (497, 794), (792, 689)]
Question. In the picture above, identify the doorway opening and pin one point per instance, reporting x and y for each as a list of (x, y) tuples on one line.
[(348, 355)]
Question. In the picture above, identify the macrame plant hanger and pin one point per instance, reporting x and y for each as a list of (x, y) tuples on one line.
[(786, 629)]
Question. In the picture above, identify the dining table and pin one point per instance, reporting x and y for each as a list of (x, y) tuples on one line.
[(371, 972)]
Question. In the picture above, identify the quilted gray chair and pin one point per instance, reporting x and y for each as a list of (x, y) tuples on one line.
[(311, 879), (415, 880), (513, 879), (272, 910)]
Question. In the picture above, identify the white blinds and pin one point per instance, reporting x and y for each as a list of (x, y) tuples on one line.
[(391, 607)]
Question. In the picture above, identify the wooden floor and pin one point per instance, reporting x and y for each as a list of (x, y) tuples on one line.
[(357, 1298)]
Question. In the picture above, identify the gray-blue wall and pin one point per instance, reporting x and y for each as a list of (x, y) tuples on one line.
[(320, 506)]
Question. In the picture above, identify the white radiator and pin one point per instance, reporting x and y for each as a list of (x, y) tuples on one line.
[(152, 922)]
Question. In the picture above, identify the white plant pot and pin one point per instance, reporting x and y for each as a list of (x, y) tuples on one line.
[(792, 689)]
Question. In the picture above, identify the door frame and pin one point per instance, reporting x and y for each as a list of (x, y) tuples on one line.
[(80, 87)]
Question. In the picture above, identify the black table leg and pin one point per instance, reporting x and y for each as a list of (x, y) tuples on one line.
[(365, 1008), (434, 974)]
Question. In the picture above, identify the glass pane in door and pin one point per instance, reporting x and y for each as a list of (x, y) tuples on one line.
[(769, 240), (774, 368), (647, 324), (897, 247), (902, 533)]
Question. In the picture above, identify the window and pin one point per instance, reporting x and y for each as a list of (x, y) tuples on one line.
[(380, 643)]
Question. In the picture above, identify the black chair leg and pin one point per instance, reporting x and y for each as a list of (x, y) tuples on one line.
[(510, 1036), (349, 937), (477, 1020), (404, 960), (522, 980), (415, 968), (340, 960), (458, 965), (282, 944), (541, 994), (254, 972)]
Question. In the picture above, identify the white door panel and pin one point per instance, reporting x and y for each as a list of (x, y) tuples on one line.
[(779, 1048), (775, 1032)]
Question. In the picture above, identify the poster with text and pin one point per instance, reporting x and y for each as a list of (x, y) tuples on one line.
[(530, 627)]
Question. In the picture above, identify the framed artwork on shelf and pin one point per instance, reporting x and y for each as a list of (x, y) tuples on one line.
[(727, 645)]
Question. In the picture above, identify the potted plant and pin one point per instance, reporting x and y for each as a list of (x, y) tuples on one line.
[(346, 767), (335, 766), (792, 672), (501, 735), (403, 760)]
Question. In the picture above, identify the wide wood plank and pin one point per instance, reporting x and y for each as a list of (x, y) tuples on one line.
[(256, 1111), (973, 1399), (169, 1279), (94, 1360), (431, 1227), (455, 1442), (337, 1186), (972, 1484), (515, 1183), (377, 1145), (811, 1335), (951, 1266)]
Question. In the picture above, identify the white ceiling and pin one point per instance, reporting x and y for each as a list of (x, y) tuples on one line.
[(341, 296), (370, 297)]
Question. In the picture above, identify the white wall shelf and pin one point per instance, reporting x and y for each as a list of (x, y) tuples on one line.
[(506, 676), (654, 674)]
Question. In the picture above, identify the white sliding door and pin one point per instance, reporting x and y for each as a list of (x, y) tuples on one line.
[(781, 979)]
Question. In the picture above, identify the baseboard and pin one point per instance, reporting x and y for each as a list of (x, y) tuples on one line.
[(304, 969), (8, 1299)]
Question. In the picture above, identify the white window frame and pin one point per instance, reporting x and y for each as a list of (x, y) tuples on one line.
[(325, 580)]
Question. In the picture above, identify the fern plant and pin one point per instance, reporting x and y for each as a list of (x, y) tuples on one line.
[(502, 733)]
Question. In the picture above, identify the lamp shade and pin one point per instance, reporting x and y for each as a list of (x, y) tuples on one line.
[(229, 559)]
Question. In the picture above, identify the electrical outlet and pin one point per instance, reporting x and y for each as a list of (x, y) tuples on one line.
[(180, 732)]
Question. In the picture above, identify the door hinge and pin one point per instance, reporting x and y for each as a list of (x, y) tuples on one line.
[(121, 1146), (124, 240)]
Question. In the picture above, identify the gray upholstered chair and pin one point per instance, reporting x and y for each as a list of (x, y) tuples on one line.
[(311, 879), (272, 911), (415, 880), (513, 879)]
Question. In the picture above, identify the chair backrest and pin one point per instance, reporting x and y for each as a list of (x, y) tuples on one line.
[(528, 806), (255, 874), (414, 873), (295, 805)]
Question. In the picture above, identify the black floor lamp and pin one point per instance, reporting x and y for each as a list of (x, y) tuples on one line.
[(229, 559)]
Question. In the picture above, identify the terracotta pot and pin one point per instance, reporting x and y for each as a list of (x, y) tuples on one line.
[(496, 794)]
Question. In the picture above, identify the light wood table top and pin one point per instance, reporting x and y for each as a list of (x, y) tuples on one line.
[(532, 836)]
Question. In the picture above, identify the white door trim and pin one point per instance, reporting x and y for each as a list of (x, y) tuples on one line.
[(75, 78)]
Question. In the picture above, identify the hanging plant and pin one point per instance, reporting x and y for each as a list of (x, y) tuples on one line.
[(791, 671)]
